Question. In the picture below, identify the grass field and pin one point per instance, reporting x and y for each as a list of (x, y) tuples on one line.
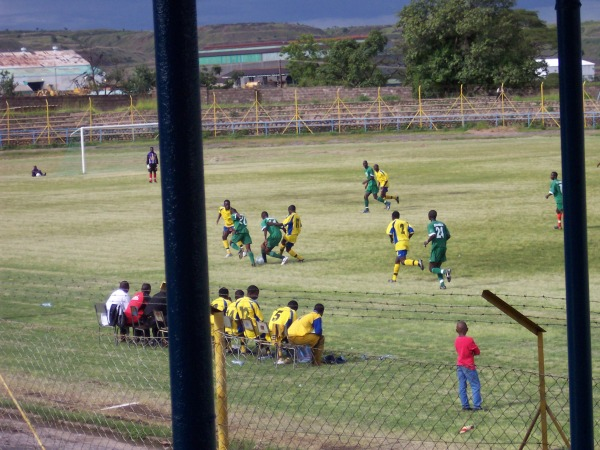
[(69, 238)]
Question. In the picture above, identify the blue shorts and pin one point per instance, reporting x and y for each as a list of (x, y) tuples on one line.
[(402, 253), (227, 230)]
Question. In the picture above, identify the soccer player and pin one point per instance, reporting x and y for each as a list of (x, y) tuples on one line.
[(248, 308), (272, 233), (292, 226), (383, 182), (438, 234), (241, 235), (370, 184), (400, 232), (225, 213), (280, 321), (151, 164), (308, 330), (221, 302), (556, 191)]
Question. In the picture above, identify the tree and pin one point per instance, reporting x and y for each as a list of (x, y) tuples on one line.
[(304, 57), (142, 81), (477, 43), (7, 84), (349, 63), (208, 78)]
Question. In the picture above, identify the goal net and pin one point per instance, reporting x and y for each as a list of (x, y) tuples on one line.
[(99, 133)]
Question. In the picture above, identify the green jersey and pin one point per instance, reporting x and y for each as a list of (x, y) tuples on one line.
[(371, 185), (556, 191), (268, 224), (440, 232), (240, 224)]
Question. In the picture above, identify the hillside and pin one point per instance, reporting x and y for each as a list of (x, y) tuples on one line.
[(121, 48)]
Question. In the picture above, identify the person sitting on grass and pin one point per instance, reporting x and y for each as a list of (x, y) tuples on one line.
[(35, 172)]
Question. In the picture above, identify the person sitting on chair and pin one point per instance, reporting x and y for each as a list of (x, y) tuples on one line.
[(157, 303), (139, 300)]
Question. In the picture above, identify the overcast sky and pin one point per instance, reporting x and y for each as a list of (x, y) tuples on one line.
[(137, 14)]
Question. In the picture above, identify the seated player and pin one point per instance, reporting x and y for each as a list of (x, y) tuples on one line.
[(280, 321), (308, 330)]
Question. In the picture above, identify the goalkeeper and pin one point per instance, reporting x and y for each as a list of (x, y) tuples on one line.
[(152, 164)]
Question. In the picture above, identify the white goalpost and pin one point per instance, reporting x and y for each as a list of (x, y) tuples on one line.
[(117, 130)]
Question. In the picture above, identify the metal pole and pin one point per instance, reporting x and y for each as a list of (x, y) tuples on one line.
[(576, 255), (184, 222)]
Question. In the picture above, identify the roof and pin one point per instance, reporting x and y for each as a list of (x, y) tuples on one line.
[(50, 58), (553, 62), (273, 71)]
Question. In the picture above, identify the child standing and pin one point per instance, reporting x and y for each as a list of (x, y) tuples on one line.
[(466, 371)]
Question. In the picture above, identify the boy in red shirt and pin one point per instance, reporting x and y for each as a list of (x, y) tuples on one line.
[(466, 371)]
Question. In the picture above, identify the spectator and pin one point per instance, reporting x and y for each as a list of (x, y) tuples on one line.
[(466, 370), (157, 303), (117, 304), (35, 172), (308, 330), (139, 300)]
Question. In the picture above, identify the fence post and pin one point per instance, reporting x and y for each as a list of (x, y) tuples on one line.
[(220, 381)]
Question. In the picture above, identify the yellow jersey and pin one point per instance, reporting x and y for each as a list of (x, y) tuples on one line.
[(292, 225), (226, 215), (310, 323), (382, 178), (400, 231), (220, 304), (247, 308)]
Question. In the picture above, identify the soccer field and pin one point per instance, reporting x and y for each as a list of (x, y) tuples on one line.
[(84, 233), (68, 239)]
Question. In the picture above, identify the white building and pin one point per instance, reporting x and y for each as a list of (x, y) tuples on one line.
[(588, 69), (65, 70)]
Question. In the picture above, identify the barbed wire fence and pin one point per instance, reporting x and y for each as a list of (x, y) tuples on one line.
[(80, 390), (70, 387)]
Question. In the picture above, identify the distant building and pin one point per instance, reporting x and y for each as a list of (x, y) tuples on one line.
[(588, 69), (59, 70), (261, 62)]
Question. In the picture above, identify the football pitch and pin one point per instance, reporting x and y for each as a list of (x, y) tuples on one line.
[(80, 234)]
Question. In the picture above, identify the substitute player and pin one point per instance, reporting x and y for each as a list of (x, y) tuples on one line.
[(383, 181), (292, 226), (438, 234), (225, 213), (280, 321), (273, 236), (400, 232), (152, 164), (556, 191), (370, 184)]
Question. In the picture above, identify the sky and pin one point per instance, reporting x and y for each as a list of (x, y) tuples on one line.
[(136, 15)]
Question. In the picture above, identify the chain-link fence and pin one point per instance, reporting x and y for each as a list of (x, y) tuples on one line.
[(75, 389)]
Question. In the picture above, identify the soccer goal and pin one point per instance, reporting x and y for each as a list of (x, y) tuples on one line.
[(121, 132)]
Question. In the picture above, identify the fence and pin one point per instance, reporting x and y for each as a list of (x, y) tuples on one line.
[(78, 390), (51, 127)]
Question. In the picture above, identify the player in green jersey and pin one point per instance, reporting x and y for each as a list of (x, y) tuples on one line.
[(370, 185), (556, 191), (241, 234), (438, 234), (272, 237)]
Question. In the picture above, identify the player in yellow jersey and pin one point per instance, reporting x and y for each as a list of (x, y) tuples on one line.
[(225, 213), (248, 308), (400, 233), (292, 226), (280, 321), (221, 302), (383, 181), (308, 330)]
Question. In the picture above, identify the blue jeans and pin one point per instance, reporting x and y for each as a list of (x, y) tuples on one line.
[(465, 375)]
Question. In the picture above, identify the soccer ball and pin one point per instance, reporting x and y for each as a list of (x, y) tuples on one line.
[(259, 261)]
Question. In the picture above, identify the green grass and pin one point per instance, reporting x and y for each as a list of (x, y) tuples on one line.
[(69, 238)]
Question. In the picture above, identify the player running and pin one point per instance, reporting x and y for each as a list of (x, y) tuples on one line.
[(438, 234), (241, 235), (225, 213), (383, 181), (292, 226), (370, 184), (400, 232), (273, 237)]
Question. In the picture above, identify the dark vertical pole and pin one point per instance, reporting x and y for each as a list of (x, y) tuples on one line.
[(575, 223), (182, 177)]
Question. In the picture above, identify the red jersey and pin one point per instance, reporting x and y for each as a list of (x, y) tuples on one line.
[(466, 349), (138, 301)]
